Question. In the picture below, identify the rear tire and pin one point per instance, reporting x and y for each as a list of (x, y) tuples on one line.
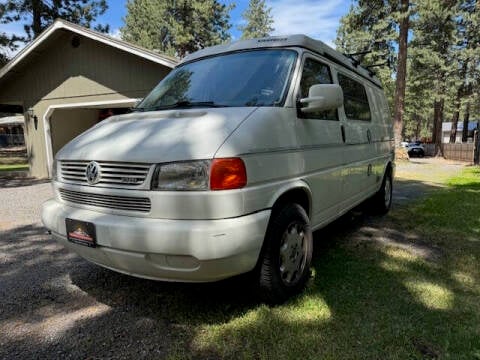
[(284, 266), (381, 202)]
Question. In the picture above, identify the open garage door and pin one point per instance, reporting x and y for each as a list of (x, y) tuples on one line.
[(65, 122)]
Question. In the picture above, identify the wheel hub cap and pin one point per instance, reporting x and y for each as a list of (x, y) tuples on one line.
[(388, 193), (292, 253)]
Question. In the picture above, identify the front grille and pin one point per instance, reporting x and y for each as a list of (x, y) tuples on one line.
[(128, 203), (112, 174)]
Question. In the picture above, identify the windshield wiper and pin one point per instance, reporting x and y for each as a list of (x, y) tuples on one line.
[(183, 104)]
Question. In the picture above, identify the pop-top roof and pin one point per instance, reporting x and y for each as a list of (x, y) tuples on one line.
[(302, 41)]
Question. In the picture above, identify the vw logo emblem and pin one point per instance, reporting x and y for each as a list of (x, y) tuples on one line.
[(93, 173)]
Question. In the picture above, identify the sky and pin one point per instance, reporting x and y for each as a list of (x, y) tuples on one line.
[(316, 18)]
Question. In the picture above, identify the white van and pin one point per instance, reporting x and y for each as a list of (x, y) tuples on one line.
[(227, 166)]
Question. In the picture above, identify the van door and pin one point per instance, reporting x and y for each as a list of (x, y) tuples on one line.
[(380, 135), (356, 119), (320, 139)]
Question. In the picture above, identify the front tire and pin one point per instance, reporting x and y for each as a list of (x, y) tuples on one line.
[(381, 202), (287, 254)]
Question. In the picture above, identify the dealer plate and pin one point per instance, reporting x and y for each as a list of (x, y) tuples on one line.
[(81, 232)]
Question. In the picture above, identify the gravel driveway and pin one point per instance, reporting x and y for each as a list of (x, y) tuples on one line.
[(56, 305)]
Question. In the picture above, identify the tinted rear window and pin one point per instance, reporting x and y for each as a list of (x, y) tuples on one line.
[(355, 99)]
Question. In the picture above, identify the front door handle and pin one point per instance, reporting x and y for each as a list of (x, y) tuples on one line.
[(342, 128), (369, 136)]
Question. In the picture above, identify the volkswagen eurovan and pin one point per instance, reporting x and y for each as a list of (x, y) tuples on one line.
[(227, 166)]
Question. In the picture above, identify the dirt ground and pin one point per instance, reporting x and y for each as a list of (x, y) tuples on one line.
[(421, 175), (56, 305)]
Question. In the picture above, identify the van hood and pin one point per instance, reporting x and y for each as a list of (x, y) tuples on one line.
[(154, 137)]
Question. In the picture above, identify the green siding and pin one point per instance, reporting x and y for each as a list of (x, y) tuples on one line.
[(60, 74)]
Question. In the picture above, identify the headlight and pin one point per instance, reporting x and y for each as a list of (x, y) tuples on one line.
[(188, 175)]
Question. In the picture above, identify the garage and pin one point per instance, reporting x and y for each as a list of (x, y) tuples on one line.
[(69, 121), (69, 79)]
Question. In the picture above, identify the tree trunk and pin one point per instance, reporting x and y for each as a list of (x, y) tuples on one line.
[(37, 17), (401, 73), (437, 126), (455, 117), (466, 118)]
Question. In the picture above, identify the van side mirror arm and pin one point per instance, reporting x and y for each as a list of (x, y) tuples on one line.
[(322, 97)]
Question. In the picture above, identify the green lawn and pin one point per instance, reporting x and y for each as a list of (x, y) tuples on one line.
[(416, 298), (13, 167)]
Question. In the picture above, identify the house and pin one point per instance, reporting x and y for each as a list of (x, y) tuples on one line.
[(70, 78), (447, 126), (11, 131)]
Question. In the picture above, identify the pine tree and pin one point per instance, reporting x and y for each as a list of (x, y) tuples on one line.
[(401, 76), (433, 60), (371, 26), (36, 15), (258, 20), (5, 42), (468, 62), (443, 62), (178, 27)]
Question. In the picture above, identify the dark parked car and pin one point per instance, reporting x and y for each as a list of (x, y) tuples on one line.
[(415, 149)]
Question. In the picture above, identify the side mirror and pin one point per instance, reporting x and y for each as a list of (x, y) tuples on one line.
[(323, 97)]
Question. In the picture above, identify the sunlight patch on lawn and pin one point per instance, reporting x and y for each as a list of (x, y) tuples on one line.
[(263, 325), (464, 278), (400, 254), (431, 295), (394, 266)]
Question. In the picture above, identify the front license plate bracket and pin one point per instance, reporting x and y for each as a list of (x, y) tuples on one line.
[(81, 232)]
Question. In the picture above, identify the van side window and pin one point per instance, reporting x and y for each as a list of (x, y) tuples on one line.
[(314, 73), (355, 99)]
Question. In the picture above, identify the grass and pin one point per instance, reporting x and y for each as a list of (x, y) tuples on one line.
[(13, 167), (415, 296)]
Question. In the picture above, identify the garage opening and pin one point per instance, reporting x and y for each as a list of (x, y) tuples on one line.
[(66, 124)]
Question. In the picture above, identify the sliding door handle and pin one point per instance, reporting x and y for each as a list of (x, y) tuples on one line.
[(342, 128)]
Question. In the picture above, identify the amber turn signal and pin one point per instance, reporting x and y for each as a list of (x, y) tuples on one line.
[(228, 173)]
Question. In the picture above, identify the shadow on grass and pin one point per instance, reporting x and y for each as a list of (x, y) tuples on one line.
[(369, 297)]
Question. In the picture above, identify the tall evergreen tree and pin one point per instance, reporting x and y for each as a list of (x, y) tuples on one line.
[(401, 77), (176, 27), (258, 20), (433, 59), (468, 62), (36, 15), (5, 42), (372, 26)]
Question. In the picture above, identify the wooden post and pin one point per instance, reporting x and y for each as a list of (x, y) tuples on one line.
[(476, 151)]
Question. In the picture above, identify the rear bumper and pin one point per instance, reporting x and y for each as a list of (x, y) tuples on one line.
[(175, 250)]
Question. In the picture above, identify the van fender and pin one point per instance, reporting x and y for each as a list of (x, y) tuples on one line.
[(388, 166), (289, 187)]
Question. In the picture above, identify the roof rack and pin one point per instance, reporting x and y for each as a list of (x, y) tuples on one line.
[(369, 67)]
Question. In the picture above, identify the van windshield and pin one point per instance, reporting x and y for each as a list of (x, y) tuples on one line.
[(247, 78)]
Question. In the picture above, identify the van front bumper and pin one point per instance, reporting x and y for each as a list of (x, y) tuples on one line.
[(172, 250)]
